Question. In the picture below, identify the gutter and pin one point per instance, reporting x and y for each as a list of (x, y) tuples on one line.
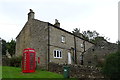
[(75, 50)]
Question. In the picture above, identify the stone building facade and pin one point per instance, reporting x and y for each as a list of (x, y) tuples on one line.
[(96, 55), (52, 43)]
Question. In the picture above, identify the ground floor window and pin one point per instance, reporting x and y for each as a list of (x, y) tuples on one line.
[(57, 54)]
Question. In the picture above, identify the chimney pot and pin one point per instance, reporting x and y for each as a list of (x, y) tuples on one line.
[(57, 23), (31, 15)]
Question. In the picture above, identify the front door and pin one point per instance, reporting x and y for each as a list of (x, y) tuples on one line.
[(69, 58)]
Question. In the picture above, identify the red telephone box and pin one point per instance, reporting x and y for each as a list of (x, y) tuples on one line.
[(28, 60)]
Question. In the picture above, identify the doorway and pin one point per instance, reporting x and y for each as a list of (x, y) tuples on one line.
[(69, 58)]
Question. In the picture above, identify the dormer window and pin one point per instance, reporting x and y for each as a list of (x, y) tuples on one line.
[(63, 39)]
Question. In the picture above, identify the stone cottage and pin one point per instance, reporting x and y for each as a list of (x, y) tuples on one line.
[(51, 42), (96, 55)]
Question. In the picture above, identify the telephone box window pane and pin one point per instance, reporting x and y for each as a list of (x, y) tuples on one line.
[(31, 59), (31, 54)]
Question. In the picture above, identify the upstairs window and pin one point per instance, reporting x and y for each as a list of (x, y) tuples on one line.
[(63, 39), (81, 45), (57, 54)]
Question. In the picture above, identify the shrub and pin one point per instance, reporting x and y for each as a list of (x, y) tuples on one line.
[(16, 61), (100, 62), (111, 67)]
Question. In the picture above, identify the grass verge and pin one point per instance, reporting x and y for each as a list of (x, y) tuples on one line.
[(14, 72)]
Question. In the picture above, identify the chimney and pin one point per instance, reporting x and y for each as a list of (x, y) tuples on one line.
[(31, 15), (57, 23)]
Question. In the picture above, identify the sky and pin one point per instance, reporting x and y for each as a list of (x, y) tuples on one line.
[(98, 15)]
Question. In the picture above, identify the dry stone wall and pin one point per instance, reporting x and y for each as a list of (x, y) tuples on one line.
[(78, 71)]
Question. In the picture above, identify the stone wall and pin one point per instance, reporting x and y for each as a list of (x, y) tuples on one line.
[(23, 39), (34, 35), (95, 56), (39, 41), (78, 71), (80, 49), (57, 44), (68, 46)]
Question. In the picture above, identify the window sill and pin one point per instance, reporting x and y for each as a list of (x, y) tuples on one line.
[(58, 57)]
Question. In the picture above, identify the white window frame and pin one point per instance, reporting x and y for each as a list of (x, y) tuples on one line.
[(57, 53), (63, 39)]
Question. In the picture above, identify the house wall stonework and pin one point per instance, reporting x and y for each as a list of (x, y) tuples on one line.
[(78, 44), (34, 35), (88, 45), (79, 49), (55, 38), (62, 60), (23, 39), (70, 42), (57, 44), (39, 41), (95, 56)]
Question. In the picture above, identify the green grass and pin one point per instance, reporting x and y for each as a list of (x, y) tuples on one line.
[(0, 71), (13, 72)]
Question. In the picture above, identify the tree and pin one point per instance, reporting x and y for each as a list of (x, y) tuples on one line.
[(76, 32), (91, 35), (85, 35), (112, 66), (98, 39), (95, 34), (3, 47), (11, 47)]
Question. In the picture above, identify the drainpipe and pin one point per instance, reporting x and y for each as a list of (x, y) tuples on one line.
[(84, 46), (83, 53), (48, 56), (75, 50)]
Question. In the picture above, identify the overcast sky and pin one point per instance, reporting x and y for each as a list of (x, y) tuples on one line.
[(99, 15)]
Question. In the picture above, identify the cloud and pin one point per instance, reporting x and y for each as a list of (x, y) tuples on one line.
[(85, 14)]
